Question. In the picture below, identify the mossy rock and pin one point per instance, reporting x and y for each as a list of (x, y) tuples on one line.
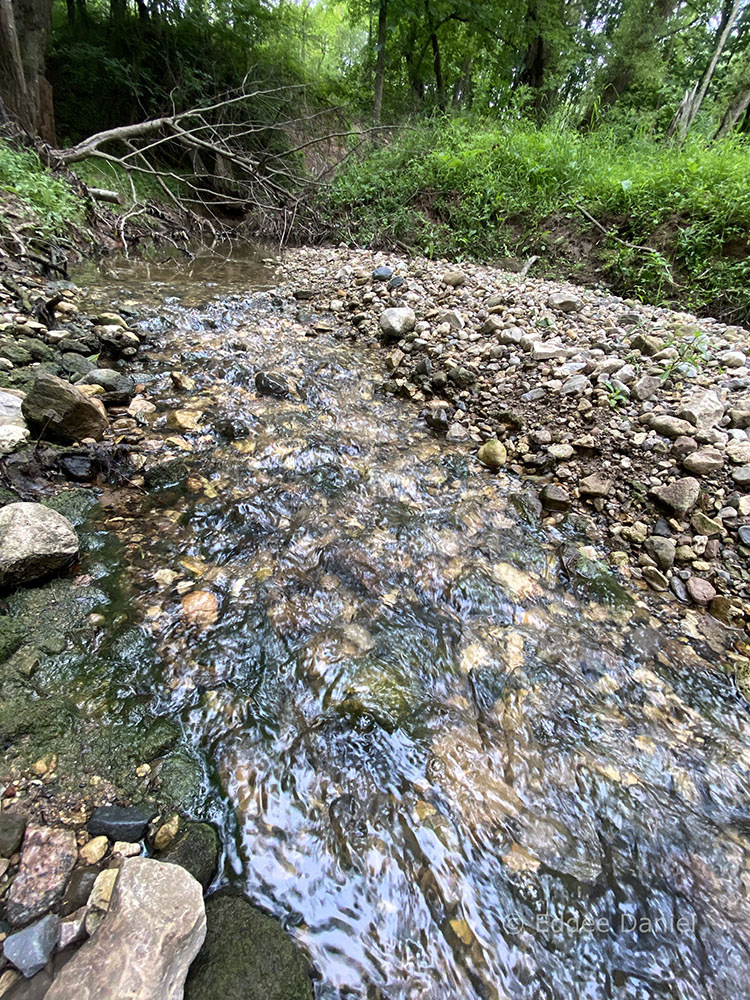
[(180, 780), (76, 505), (246, 956), (196, 849), (161, 736)]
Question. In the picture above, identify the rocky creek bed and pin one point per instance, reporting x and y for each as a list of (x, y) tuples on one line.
[(415, 661)]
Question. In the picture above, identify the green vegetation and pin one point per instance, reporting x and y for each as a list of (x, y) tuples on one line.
[(492, 189), (608, 137), (53, 201)]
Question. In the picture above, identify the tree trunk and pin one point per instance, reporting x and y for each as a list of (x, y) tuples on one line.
[(437, 61), (693, 100), (71, 5), (24, 31), (380, 64), (734, 112)]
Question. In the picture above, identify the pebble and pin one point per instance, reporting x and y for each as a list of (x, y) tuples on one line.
[(119, 822), (95, 850), (700, 590)]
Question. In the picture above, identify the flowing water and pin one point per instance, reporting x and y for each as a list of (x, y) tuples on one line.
[(446, 747)]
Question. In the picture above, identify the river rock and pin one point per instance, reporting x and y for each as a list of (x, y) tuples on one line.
[(595, 485), (739, 452), (12, 826), (47, 859), (30, 949), (394, 323), (142, 950), (94, 850), (671, 427), (119, 389), (382, 273), (117, 340), (704, 409), (247, 956), (678, 497), (700, 591), (13, 429), (200, 607), (555, 498), (454, 279), (34, 541), (739, 415), (195, 848), (662, 550), (120, 822), (564, 302), (493, 454), (704, 462), (60, 412), (271, 384)]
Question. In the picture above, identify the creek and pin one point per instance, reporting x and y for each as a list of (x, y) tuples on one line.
[(443, 743)]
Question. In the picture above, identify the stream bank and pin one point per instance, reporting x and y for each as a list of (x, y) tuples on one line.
[(339, 631)]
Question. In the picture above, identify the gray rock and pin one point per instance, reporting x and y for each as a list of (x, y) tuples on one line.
[(741, 476), (744, 534), (47, 859), (396, 322), (436, 417), (575, 385), (733, 359), (120, 822), (661, 550), (704, 462), (154, 928), (118, 389), (646, 387), (646, 344), (34, 541), (30, 949), (60, 412), (12, 826), (547, 350), (678, 497), (247, 956), (564, 302), (671, 427), (704, 409), (13, 429), (382, 273), (740, 415), (118, 341), (679, 589), (655, 578)]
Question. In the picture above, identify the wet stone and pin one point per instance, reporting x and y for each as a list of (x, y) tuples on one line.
[(47, 859), (271, 384), (555, 498), (195, 848), (79, 888), (120, 822)]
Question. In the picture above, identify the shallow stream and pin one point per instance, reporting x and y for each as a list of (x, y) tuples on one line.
[(445, 746)]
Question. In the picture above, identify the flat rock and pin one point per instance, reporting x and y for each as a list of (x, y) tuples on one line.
[(678, 497), (143, 948), (555, 498), (382, 273), (247, 956), (119, 389), (30, 949), (120, 822), (564, 302), (703, 409), (60, 412), (704, 462), (739, 452), (34, 541), (47, 859), (646, 387), (595, 485), (671, 427)]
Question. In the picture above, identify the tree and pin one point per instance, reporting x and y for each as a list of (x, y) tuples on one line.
[(380, 63), (24, 33)]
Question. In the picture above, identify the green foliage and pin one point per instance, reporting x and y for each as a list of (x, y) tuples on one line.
[(486, 188), (53, 201)]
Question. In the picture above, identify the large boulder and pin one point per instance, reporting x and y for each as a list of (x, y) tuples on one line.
[(61, 412), (13, 429), (34, 541), (154, 928), (247, 956)]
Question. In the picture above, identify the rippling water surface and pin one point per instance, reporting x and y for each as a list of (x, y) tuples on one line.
[(448, 749)]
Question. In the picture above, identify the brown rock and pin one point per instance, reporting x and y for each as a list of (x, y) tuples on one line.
[(200, 607), (700, 590), (61, 412)]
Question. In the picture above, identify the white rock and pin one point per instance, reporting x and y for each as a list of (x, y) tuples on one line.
[(34, 541), (13, 429), (394, 323)]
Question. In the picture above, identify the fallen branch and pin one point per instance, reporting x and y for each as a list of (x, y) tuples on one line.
[(102, 194)]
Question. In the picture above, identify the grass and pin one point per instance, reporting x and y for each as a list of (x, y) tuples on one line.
[(485, 190), (53, 202)]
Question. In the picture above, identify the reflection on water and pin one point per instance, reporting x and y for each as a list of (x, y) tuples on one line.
[(457, 758)]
